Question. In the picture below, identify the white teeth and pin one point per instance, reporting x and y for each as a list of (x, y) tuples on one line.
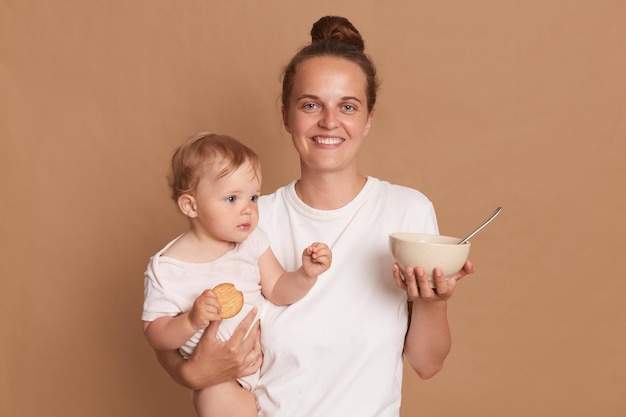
[(328, 141)]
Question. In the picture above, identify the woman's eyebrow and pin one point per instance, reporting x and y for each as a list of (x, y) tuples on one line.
[(314, 97)]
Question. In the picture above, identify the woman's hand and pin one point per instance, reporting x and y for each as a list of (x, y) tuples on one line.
[(416, 284), (214, 361), (427, 342)]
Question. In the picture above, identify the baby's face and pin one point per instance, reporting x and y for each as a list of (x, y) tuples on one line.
[(227, 207)]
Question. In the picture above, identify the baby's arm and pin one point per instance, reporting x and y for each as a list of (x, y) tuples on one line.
[(284, 288), (168, 333)]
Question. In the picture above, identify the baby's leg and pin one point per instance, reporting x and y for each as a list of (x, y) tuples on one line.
[(228, 399)]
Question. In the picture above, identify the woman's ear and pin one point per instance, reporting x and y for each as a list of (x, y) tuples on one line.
[(368, 124), (187, 204), (285, 123)]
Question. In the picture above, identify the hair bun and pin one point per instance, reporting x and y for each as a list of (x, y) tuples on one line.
[(336, 28)]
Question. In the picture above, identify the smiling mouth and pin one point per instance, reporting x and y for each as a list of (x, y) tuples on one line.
[(327, 141)]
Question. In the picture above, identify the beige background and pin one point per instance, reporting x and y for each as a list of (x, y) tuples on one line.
[(483, 103)]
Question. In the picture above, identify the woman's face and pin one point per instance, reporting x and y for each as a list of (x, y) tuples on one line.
[(327, 115)]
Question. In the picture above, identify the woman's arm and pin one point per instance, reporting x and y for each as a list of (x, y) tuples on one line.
[(214, 361), (427, 342)]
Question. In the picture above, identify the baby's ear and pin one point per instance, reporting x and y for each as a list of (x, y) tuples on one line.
[(187, 204)]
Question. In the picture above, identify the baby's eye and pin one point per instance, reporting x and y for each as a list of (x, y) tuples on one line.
[(231, 199), (254, 198)]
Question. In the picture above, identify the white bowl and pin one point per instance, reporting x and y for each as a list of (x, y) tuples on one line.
[(429, 251)]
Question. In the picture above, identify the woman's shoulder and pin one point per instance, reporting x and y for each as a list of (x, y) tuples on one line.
[(396, 191), (409, 209), (273, 203)]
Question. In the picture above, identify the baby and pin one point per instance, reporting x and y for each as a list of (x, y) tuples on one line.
[(216, 182)]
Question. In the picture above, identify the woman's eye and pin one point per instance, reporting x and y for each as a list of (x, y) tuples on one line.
[(310, 106), (348, 107)]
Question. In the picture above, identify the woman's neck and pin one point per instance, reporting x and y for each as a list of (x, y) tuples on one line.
[(329, 191)]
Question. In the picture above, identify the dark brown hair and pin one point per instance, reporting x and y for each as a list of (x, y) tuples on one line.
[(207, 152), (334, 36)]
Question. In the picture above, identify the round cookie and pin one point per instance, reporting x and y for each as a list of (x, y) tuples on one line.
[(230, 298)]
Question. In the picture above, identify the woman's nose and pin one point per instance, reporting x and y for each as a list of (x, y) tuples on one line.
[(328, 119)]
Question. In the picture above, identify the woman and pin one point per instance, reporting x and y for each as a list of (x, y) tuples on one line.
[(338, 351)]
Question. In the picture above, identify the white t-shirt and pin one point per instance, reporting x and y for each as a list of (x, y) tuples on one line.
[(338, 351), (171, 286)]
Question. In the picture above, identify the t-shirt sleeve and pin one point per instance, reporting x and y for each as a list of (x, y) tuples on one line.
[(417, 211), (158, 302)]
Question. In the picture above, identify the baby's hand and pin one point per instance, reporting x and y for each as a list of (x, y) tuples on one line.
[(316, 259), (205, 309)]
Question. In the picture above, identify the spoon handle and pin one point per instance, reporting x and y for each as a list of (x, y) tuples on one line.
[(485, 223)]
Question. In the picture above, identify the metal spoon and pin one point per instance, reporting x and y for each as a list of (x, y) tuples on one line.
[(490, 218)]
